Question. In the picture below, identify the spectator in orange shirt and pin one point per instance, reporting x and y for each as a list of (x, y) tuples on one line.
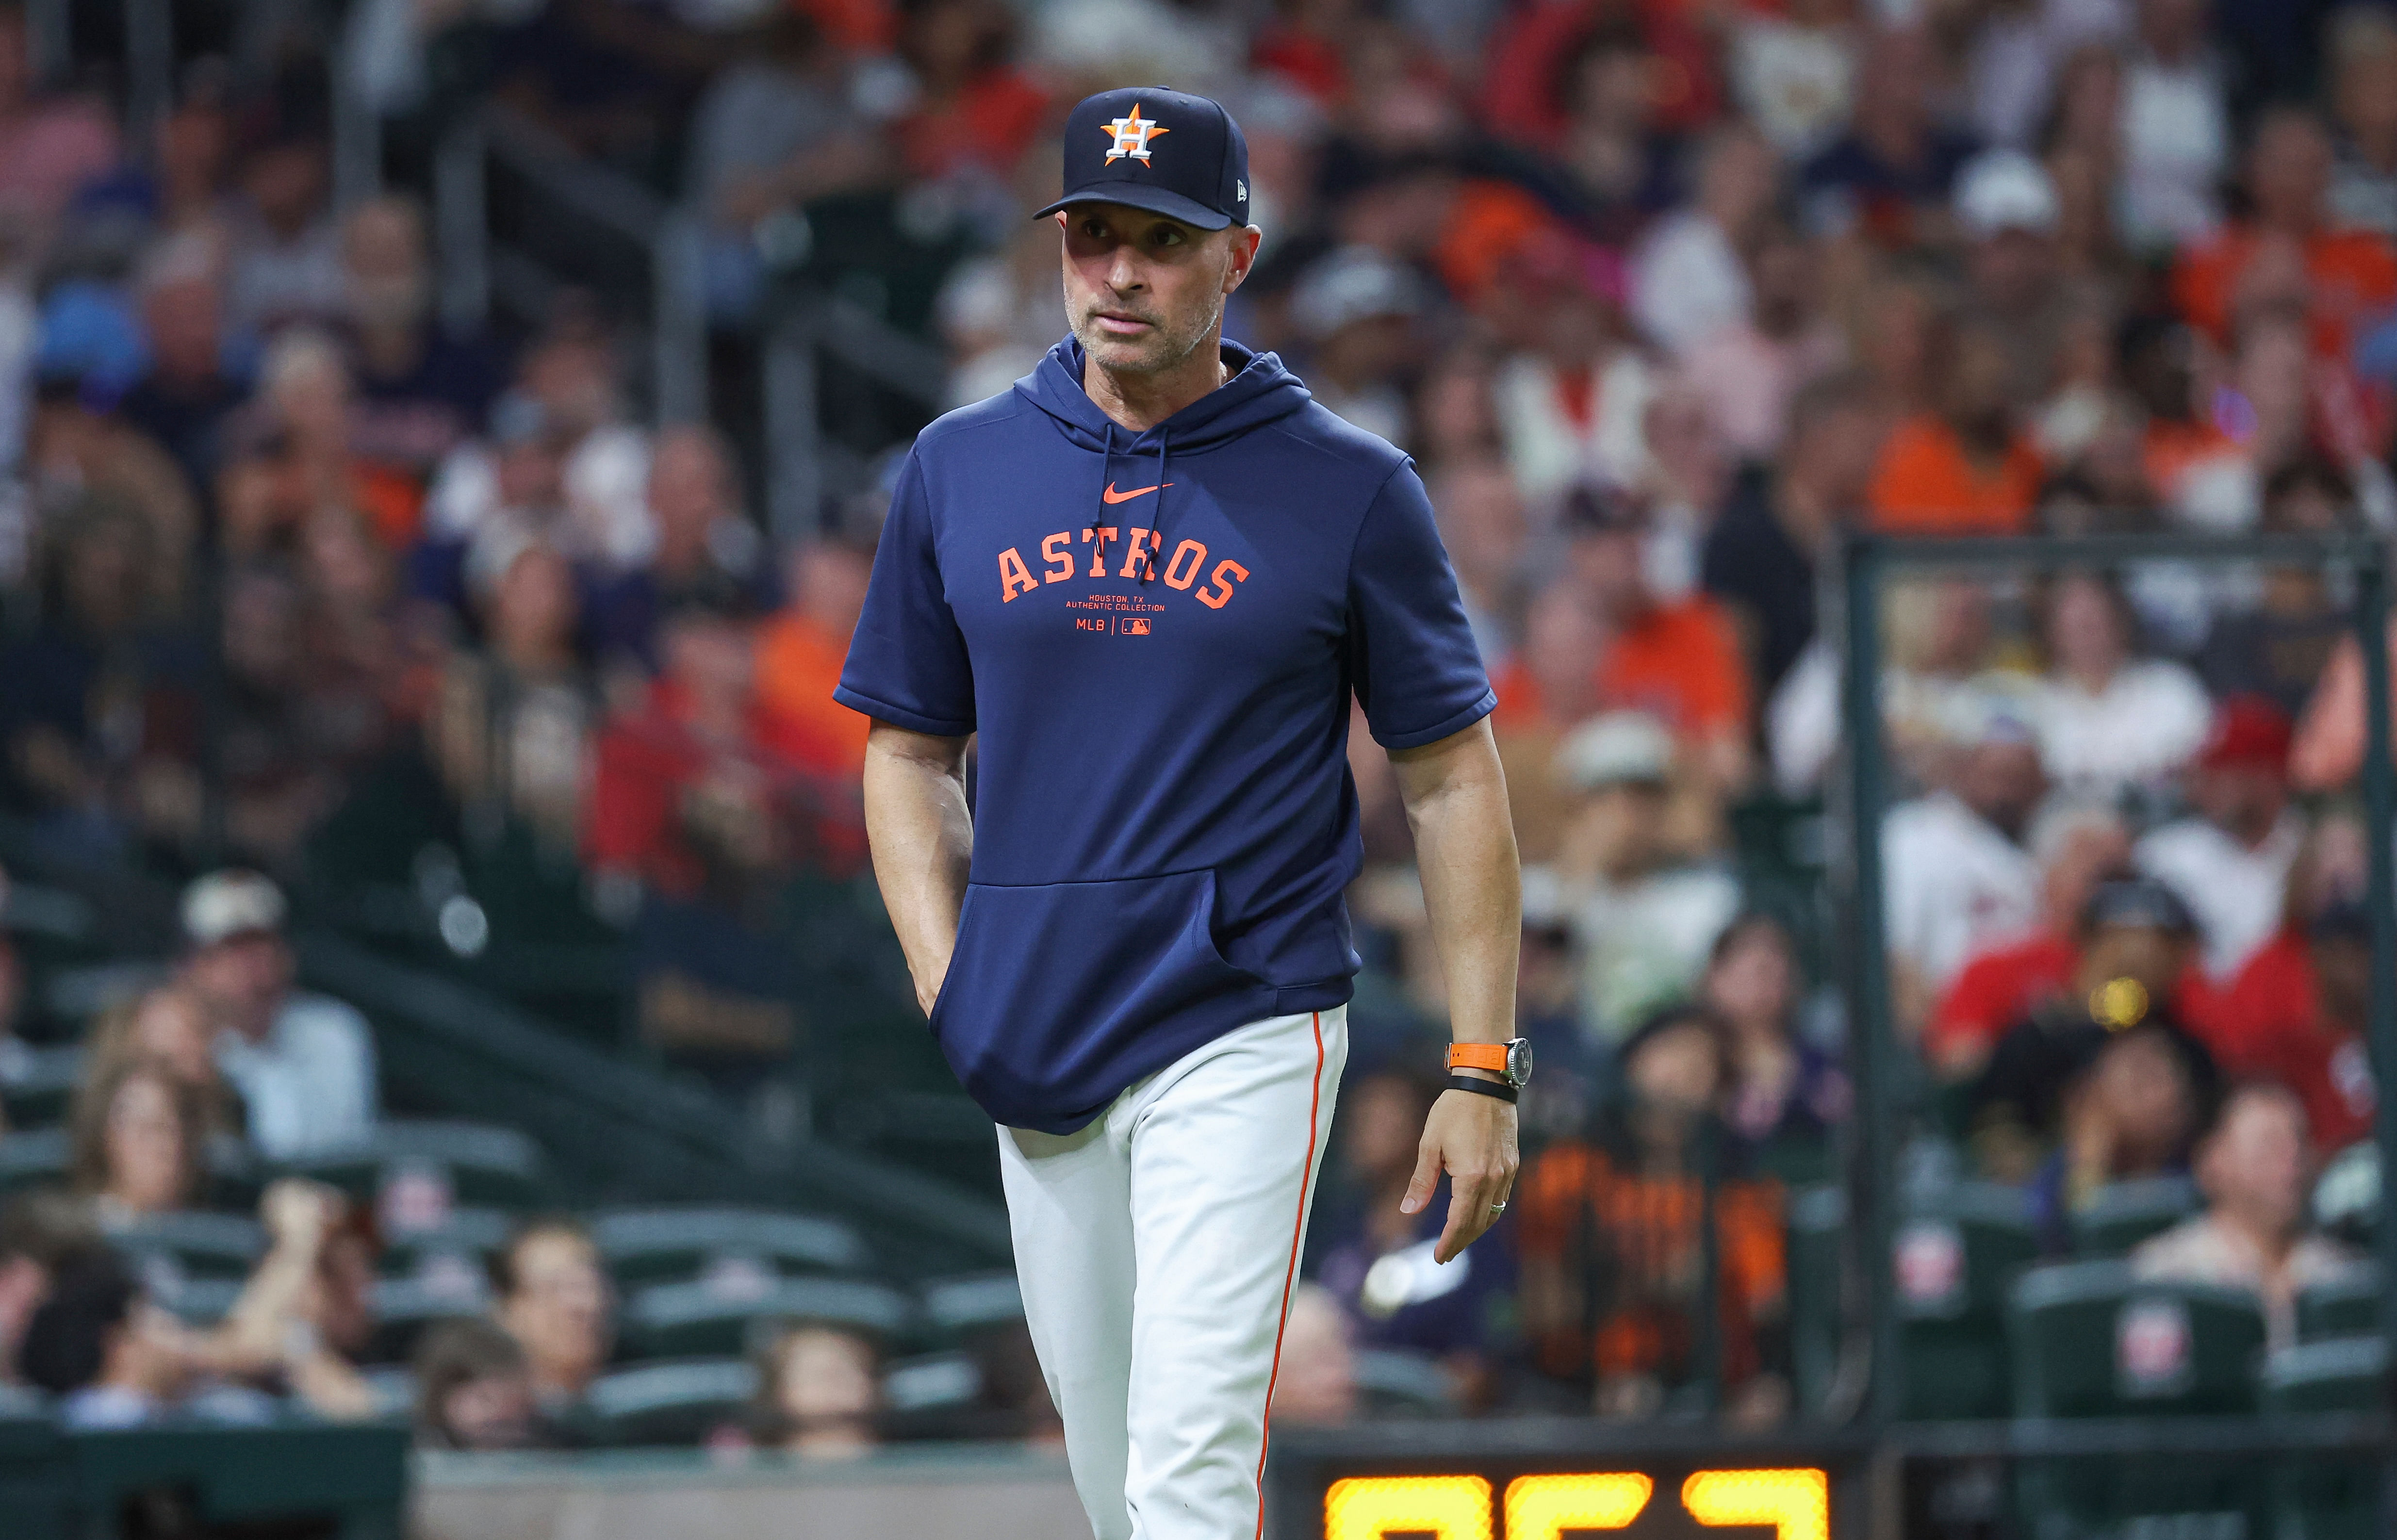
[(2340, 276), (1963, 470), (799, 656), (1611, 1229), (1678, 660)]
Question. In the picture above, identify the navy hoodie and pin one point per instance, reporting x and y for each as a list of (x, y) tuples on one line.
[(1155, 636)]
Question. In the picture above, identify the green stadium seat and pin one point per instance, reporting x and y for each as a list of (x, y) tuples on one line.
[(957, 1307), (2121, 1214), (472, 1236), (443, 1288), (197, 1244), (677, 1401), (2348, 1305), (1957, 1251), (293, 1477), (722, 1315), (32, 1157), (36, 1089), (454, 1164), (193, 1265), (2092, 1339), (1398, 1383), (2328, 1499), (660, 1245)]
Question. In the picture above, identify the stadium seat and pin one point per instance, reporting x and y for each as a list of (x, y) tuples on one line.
[(660, 1245), (2121, 1214), (2092, 1339), (193, 1265), (472, 1236), (675, 1401), (33, 1158), (1396, 1382), (1957, 1250), (443, 1287), (2347, 1305), (956, 1307), (35, 1092), (2319, 1498), (719, 1315), (441, 1164)]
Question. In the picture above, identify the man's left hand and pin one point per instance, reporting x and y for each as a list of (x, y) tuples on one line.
[(1472, 1138)]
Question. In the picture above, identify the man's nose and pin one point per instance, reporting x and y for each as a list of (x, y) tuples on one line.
[(1125, 270)]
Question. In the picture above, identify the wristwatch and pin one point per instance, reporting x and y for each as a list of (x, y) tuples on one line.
[(1511, 1060)]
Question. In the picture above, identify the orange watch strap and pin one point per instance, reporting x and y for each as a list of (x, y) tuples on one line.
[(1488, 1056)]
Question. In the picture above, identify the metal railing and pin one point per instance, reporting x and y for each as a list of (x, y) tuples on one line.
[(477, 269), (805, 326)]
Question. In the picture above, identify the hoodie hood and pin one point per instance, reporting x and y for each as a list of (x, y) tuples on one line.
[(1260, 390)]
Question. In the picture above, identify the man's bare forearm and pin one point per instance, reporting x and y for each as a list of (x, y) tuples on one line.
[(922, 839), (1455, 796)]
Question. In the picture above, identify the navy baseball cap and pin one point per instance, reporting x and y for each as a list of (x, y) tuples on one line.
[(1167, 152)]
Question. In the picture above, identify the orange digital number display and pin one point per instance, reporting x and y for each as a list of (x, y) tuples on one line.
[(1450, 1507), (1797, 1504), (1543, 1508)]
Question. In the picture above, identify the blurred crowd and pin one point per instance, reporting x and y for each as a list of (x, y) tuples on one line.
[(1663, 298)]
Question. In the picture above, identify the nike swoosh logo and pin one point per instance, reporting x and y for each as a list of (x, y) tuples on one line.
[(1111, 495)]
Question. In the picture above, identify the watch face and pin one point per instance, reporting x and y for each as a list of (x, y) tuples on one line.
[(1519, 1061)]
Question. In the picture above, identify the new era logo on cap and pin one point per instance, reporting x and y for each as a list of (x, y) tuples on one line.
[(1164, 150)]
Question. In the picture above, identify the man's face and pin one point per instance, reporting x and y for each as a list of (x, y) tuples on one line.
[(2288, 171), (559, 1311), (2154, 957), (2003, 781), (244, 979), (1144, 292), (2243, 800)]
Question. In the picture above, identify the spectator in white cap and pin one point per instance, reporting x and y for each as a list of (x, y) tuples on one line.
[(1357, 309), (304, 1065), (1956, 878), (2007, 211), (1645, 918)]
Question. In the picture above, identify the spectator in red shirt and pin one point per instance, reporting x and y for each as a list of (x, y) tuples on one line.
[(2078, 848), (2343, 276), (976, 108), (2326, 1060)]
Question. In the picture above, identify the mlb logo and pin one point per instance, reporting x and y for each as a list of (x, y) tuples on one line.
[(1931, 1270), (1135, 625), (2152, 1342)]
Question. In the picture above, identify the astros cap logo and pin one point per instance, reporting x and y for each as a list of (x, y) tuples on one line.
[(1131, 134)]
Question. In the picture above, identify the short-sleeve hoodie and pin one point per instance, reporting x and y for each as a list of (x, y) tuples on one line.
[(1154, 637)]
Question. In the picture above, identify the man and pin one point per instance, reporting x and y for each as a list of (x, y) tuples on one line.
[(1676, 659), (553, 1298), (2254, 1166), (304, 1065), (2349, 274), (2230, 861), (1962, 469), (1147, 579), (1953, 867), (1645, 918), (2323, 1055), (2007, 211), (1781, 516)]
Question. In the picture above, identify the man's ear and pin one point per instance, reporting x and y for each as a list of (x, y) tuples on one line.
[(1245, 242)]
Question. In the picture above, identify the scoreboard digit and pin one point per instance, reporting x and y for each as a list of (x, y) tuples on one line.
[(1796, 1503)]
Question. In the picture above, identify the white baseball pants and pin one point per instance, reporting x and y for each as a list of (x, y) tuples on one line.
[(1157, 1248)]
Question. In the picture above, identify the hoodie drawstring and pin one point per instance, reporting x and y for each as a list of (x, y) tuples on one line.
[(1156, 512)]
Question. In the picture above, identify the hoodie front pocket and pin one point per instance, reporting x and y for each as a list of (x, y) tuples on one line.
[(1059, 995)]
